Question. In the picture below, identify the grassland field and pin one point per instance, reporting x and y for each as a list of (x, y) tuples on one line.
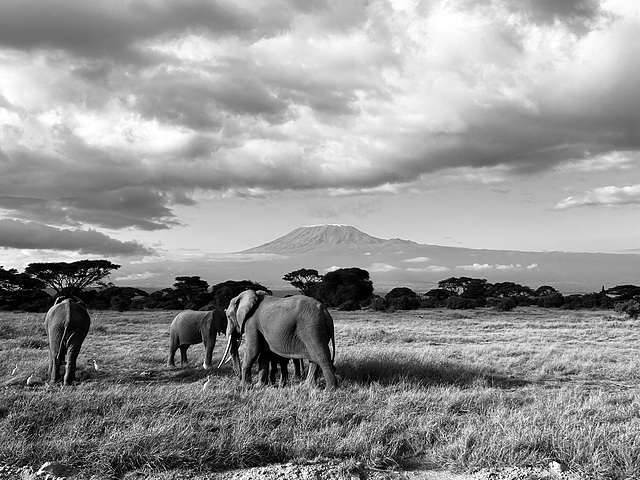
[(445, 389)]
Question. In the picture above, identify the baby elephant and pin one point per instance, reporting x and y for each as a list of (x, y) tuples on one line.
[(191, 327), (282, 362), (67, 324)]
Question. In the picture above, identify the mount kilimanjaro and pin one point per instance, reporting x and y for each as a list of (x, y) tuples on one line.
[(403, 263), (322, 238), (396, 262)]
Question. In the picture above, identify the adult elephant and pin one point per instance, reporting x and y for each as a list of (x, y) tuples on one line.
[(293, 327), (191, 327), (67, 323)]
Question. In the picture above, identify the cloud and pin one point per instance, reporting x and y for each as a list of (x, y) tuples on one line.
[(381, 268), (476, 267), (430, 268), (114, 114), (603, 196), (416, 260), (136, 277), (30, 235)]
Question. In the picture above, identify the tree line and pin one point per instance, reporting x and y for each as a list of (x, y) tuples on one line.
[(345, 289)]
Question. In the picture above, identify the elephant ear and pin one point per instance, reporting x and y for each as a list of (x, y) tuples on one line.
[(246, 301)]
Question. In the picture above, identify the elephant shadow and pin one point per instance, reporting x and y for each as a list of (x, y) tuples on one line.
[(420, 372)]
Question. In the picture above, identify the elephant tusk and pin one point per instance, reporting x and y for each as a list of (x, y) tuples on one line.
[(228, 359), (226, 352)]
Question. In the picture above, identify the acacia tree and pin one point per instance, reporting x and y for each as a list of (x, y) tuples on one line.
[(11, 281), (190, 287), (71, 278), (303, 279), (465, 286), (343, 285)]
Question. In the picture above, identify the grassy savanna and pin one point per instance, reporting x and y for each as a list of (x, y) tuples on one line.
[(444, 389)]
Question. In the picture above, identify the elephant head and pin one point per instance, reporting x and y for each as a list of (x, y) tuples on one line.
[(238, 312)]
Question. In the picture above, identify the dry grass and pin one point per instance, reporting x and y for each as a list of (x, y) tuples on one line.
[(446, 389)]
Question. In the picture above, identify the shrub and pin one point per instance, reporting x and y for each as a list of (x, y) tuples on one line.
[(349, 306), (402, 298), (120, 304), (630, 308), (139, 303), (379, 304), (430, 302), (555, 300), (459, 303), (504, 305)]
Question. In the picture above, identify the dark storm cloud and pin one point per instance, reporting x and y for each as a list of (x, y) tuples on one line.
[(30, 235), (112, 29), (113, 113)]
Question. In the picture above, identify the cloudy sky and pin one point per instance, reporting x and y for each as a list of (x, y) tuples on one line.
[(146, 131)]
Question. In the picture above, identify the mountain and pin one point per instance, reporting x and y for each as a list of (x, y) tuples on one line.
[(319, 238), (400, 263)]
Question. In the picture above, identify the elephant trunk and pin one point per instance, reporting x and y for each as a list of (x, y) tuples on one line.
[(226, 351)]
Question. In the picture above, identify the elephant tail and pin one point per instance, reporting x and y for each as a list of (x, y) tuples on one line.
[(64, 340), (62, 347), (332, 337), (333, 352)]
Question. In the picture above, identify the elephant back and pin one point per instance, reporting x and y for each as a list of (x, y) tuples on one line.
[(67, 314)]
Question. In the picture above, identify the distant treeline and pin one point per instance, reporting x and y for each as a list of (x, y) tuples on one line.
[(345, 289)]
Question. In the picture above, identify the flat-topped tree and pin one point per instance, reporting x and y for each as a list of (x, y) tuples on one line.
[(71, 278), (303, 279), (11, 281)]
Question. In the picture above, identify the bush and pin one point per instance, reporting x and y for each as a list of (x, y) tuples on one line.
[(402, 298), (460, 303), (630, 308), (504, 305), (139, 303), (120, 304), (379, 304), (430, 302), (349, 306), (555, 300)]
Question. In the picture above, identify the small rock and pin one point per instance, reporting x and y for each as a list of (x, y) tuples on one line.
[(557, 467), (55, 469)]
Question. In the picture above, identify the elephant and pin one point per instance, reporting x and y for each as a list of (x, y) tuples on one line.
[(276, 361), (191, 327), (67, 324), (292, 327)]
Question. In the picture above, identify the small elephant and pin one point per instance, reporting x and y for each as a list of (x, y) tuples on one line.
[(191, 327), (292, 327), (67, 324), (282, 362)]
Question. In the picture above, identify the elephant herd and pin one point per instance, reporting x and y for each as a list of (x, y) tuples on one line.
[(275, 330)]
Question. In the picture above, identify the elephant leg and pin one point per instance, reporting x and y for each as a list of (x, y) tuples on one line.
[(329, 376), (284, 372), (183, 355), (251, 354), (298, 368), (70, 371), (312, 373), (54, 367), (173, 346), (273, 371), (263, 368), (208, 352)]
